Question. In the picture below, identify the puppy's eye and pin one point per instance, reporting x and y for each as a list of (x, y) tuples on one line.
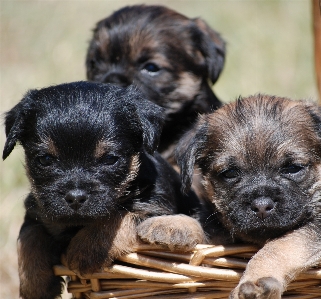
[(230, 173), (151, 67), (45, 160), (292, 169), (108, 159)]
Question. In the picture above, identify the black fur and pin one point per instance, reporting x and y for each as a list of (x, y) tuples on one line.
[(91, 161)]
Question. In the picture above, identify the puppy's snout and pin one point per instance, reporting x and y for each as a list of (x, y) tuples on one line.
[(118, 79), (262, 206), (76, 198)]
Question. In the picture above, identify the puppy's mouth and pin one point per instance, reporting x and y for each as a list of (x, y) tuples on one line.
[(76, 207), (265, 218)]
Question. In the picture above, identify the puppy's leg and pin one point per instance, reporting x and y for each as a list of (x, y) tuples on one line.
[(36, 256), (178, 232), (269, 272), (97, 245)]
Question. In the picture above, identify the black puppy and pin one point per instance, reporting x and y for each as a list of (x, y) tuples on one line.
[(174, 60), (95, 176)]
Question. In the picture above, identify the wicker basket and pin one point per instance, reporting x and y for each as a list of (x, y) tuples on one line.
[(152, 272)]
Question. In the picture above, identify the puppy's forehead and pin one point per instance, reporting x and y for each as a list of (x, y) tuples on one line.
[(96, 148), (72, 135), (135, 33), (79, 129), (262, 128)]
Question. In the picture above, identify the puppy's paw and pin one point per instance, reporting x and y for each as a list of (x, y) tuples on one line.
[(88, 252), (178, 232), (263, 288), (97, 246), (87, 260)]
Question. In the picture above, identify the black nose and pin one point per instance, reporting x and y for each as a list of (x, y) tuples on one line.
[(262, 206), (76, 198), (118, 79)]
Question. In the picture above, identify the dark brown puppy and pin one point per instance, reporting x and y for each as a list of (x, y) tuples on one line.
[(95, 176), (261, 163), (174, 60)]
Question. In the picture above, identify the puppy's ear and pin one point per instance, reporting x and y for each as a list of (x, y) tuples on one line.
[(315, 113), (151, 118), (212, 47), (15, 122), (189, 150)]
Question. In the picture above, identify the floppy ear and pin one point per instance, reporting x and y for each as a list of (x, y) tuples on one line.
[(315, 113), (212, 47), (189, 150), (15, 120), (151, 118)]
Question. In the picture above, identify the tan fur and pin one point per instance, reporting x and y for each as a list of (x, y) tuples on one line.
[(132, 173), (187, 84), (126, 238), (112, 238), (101, 149), (262, 154), (138, 39), (283, 259), (177, 232), (52, 150)]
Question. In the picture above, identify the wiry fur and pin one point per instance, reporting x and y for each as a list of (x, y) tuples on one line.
[(174, 60), (260, 159), (94, 174)]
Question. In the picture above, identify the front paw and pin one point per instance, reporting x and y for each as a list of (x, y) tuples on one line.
[(263, 288), (85, 263), (87, 258), (178, 232)]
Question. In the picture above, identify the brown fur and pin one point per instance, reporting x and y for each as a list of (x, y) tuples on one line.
[(260, 158), (174, 60), (37, 259), (109, 240), (163, 230), (101, 148)]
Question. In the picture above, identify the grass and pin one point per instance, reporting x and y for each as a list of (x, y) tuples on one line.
[(269, 50)]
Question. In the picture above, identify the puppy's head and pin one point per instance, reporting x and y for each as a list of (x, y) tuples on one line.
[(169, 57), (260, 161), (83, 144)]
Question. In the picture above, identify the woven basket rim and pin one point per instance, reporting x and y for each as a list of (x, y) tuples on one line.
[(152, 271)]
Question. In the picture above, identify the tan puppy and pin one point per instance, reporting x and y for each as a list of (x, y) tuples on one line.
[(260, 158)]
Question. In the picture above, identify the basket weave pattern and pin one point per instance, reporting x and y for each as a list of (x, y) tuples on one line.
[(152, 272)]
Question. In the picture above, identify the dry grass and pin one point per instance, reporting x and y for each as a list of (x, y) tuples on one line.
[(44, 43)]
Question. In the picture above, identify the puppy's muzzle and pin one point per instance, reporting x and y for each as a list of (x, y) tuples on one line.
[(117, 78), (262, 206), (76, 198)]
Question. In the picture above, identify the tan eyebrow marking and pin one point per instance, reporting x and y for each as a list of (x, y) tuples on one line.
[(50, 147), (101, 148), (132, 174)]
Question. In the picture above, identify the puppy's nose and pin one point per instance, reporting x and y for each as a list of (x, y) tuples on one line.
[(76, 198), (118, 79), (262, 206)]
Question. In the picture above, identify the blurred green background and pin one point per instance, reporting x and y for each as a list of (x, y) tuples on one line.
[(269, 50)]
